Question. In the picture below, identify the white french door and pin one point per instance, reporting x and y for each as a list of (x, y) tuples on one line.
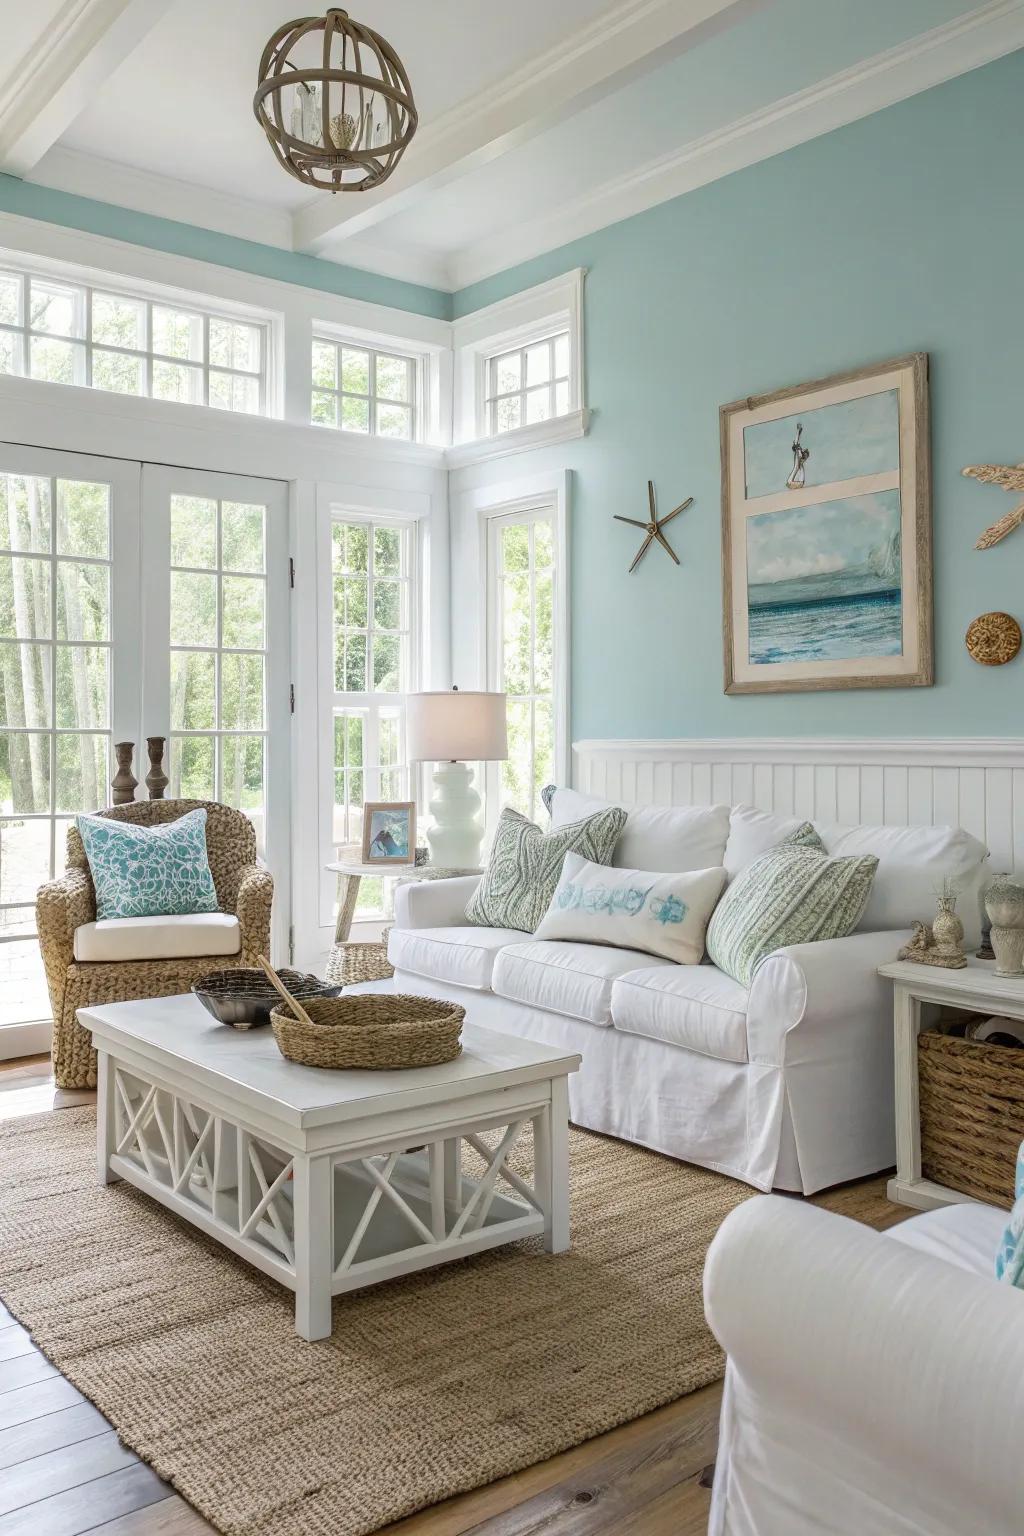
[(70, 677), (216, 674), (135, 600)]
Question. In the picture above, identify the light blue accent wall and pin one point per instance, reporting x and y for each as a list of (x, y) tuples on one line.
[(35, 202), (900, 233)]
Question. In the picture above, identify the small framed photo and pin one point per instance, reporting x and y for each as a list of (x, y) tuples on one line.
[(389, 832)]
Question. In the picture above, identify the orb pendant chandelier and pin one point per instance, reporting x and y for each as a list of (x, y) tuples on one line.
[(335, 102)]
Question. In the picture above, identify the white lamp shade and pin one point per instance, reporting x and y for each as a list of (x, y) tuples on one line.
[(456, 727)]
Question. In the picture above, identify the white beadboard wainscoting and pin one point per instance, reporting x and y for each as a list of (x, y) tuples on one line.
[(971, 782)]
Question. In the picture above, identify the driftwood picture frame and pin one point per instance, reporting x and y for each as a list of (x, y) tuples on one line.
[(826, 533)]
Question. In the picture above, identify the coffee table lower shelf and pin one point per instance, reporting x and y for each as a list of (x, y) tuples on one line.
[(332, 1221)]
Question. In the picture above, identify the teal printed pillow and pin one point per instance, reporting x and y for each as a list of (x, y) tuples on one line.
[(149, 871), (793, 894), (1010, 1258), (525, 864)]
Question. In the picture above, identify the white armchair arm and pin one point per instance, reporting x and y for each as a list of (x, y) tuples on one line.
[(871, 1388), (434, 903), (819, 987)]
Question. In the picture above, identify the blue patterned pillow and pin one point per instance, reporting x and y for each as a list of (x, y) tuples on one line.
[(149, 871), (1010, 1258)]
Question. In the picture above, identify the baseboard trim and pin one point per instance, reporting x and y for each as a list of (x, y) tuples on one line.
[(17, 1040)]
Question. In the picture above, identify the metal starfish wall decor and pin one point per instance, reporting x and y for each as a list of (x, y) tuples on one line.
[(1011, 478), (653, 528)]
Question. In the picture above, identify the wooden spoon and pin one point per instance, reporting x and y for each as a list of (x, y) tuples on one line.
[(292, 1002)]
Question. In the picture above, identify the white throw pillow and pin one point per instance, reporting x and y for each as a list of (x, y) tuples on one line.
[(660, 914), (912, 863), (658, 837)]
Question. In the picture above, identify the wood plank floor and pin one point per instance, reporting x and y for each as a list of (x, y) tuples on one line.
[(63, 1471)]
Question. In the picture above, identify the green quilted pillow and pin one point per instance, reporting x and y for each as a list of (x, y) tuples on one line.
[(793, 894), (525, 864)]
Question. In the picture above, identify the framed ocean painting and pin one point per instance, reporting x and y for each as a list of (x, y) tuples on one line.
[(826, 534)]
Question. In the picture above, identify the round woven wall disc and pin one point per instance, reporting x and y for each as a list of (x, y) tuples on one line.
[(994, 639)]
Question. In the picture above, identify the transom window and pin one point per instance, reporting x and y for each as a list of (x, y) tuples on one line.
[(73, 333), (528, 385), (372, 568), (361, 390), (218, 639), (521, 653)]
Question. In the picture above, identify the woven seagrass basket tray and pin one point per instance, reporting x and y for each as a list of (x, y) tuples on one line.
[(380, 1031), (351, 963), (971, 1096)]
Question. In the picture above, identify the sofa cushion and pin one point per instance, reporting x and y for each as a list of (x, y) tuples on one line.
[(663, 915), (570, 979), (912, 862), (696, 1006), (666, 839), (464, 956), (158, 938)]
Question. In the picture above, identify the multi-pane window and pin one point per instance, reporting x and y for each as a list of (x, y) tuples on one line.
[(55, 640), (528, 385), (72, 333), (360, 390), (218, 640), (373, 566), (522, 652)]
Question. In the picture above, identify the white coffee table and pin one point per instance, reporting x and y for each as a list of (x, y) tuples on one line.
[(329, 1181)]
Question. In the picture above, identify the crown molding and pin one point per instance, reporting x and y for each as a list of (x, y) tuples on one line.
[(73, 54), (109, 181), (627, 40), (930, 59)]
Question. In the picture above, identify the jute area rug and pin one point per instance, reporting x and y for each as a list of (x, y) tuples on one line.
[(429, 1386)]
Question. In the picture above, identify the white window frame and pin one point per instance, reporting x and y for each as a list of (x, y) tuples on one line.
[(546, 494), (512, 325), (493, 396), (334, 505), (89, 284), (373, 398), (431, 384)]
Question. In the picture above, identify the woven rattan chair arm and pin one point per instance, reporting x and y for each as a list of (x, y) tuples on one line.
[(255, 899), (62, 905)]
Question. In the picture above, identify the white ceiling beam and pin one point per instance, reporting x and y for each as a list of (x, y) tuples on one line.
[(618, 46), (76, 49)]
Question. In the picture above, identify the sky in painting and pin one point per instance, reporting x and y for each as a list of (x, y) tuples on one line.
[(855, 437), (822, 540)]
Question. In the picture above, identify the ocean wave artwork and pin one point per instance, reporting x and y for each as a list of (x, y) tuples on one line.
[(824, 583)]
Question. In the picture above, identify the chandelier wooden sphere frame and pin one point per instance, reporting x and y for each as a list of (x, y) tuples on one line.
[(338, 112)]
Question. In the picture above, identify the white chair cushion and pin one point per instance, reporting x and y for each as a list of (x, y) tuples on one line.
[(696, 1006), (966, 1234), (463, 957), (570, 979), (662, 838), (158, 938)]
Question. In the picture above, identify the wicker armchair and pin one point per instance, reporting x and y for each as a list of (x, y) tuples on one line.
[(244, 888)]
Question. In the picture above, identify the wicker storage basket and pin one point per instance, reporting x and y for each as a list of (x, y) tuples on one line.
[(349, 964), (971, 1098), (382, 1031)]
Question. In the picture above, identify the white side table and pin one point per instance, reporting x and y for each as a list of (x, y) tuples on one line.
[(977, 988)]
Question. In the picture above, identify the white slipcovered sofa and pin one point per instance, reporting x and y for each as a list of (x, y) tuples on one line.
[(875, 1384), (786, 1084)]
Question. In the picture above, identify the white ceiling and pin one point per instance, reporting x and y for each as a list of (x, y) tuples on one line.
[(539, 121)]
